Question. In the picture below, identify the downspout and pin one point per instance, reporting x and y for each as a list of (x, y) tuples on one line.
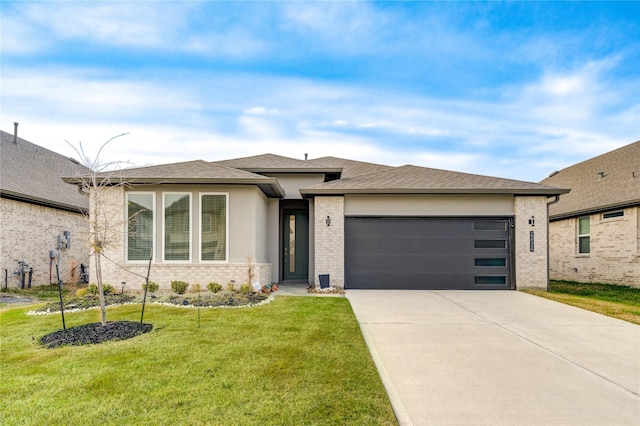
[(555, 200)]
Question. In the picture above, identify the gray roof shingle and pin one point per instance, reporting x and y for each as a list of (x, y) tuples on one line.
[(605, 182), (275, 163), (422, 180), (351, 168), (188, 172), (31, 173)]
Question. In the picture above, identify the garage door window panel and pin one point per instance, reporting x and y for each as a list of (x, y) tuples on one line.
[(490, 244)]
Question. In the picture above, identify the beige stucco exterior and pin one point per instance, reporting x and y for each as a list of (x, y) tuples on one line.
[(429, 205), (29, 232), (248, 217), (615, 249)]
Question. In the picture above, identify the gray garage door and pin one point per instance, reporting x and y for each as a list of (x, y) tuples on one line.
[(427, 253)]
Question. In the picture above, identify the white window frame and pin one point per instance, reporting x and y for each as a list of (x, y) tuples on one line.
[(584, 235), (126, 222), (164, 229), (226, 254)]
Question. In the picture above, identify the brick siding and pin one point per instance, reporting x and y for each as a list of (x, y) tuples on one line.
[(615, 250), (531, 266), (329, 240), (29, 232)]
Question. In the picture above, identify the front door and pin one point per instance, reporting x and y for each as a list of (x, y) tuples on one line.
[(296, 245)]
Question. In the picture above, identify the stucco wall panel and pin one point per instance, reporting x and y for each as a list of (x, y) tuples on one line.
[(429, 205)]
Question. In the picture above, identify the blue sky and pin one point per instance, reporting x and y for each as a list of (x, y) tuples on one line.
[(509, 89)]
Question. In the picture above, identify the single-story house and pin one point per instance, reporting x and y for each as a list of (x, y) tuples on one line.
[(595, 229), (270, 219), (37, 207)]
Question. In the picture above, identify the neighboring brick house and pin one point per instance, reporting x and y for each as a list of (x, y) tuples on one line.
[(364, 225), (595, 229), (36, 207)]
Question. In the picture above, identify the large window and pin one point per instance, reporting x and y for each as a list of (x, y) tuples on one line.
[(584, 235), (140, 225), (177, 226), (213, 227)]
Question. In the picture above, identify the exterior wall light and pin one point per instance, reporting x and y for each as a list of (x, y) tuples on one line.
[(328, 221), (532, 221)]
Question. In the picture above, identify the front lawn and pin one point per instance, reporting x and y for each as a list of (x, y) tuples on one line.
[(297, 360), (622, 302)]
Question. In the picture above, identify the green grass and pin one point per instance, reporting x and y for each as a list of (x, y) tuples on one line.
[(297, 360), (617, 301)]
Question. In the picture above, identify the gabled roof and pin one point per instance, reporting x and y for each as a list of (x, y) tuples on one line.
[(351, 168), (189, 172), (421, 180), (270, 163), (605, 182), (31, 173)]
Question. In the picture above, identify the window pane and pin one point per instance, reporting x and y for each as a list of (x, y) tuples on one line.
[(177, 211), (489, 226), (140, 226), (499, 280), (584, 226), (491, 262), (613, 214), (584, 245), (213, 233), (490, 244)]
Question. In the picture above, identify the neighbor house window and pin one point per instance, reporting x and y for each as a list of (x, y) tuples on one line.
[(140, 225), (584, 235), (213, 227), (611, 215), (177, 226)]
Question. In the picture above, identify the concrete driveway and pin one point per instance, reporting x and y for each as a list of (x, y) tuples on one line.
[(500, 358)]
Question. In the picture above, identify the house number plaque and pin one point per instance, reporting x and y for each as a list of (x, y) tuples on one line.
[(531, 242)]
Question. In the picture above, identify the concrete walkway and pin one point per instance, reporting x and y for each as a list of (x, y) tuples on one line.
[(500, 358)]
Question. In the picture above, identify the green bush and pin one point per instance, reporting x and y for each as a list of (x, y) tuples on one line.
[(179, 287), (82, 292), (245, 288), (92, 289), (214, 287), (152, 287)]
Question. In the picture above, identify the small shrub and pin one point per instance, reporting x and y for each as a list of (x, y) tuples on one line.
[(245, 288), (214, 287), (230, 287), (152, 287), (82, 292), (92, 289), (179, 287), (196, 288)]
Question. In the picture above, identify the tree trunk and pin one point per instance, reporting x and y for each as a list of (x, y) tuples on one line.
[(103, 308)]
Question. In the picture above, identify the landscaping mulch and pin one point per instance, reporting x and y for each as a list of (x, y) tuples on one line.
[(95, 333)]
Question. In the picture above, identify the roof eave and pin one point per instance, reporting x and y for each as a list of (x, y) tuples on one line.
[(270, 186), (309, 192), (43, 202), (592, 210), (290, 170)]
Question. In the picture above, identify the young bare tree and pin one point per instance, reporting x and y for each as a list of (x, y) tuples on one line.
[(105, 225)]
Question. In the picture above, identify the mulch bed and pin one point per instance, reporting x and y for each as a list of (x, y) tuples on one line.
[(95, 333)]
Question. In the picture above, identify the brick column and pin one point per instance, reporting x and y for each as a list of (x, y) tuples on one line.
[(329, 239), (531, 249)]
